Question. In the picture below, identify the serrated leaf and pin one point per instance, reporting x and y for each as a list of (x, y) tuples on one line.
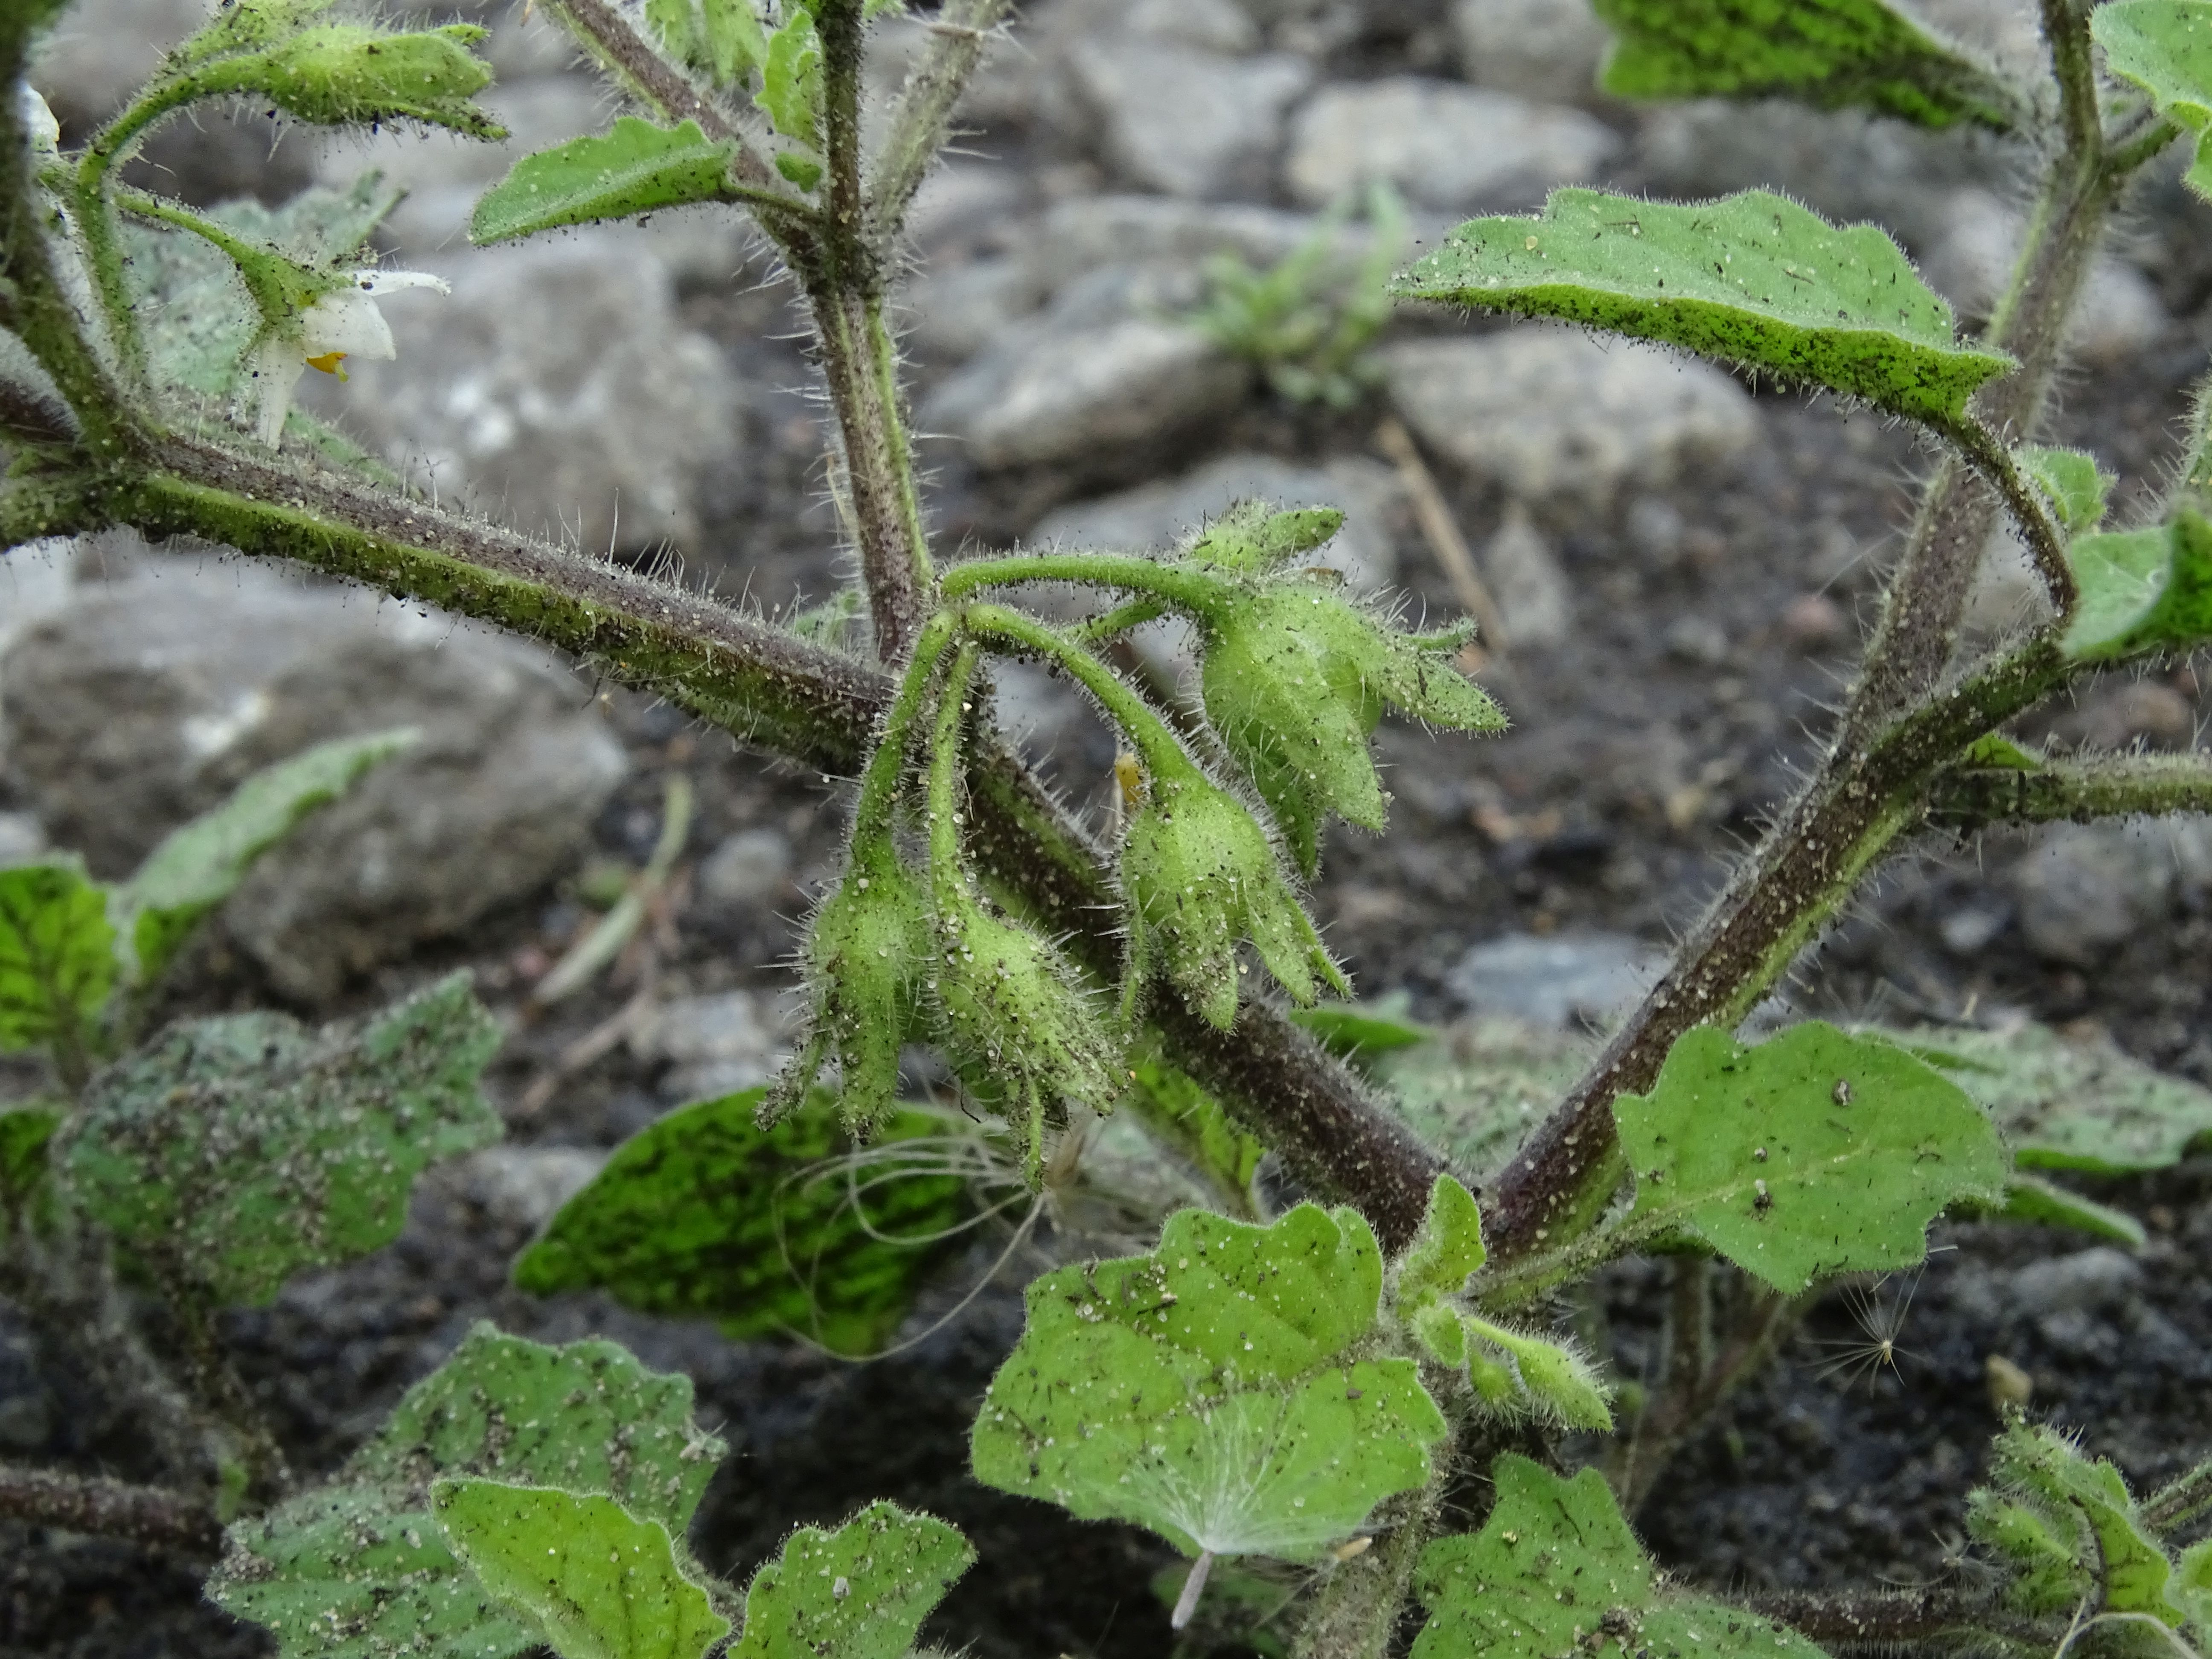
[(2072, 1103), (1752, 279), (239, 1149), (2047, 1469), (2165, 47), (2076, 486), (361, 1571), (859, 1593), (199, 864), (1827, 53), (791, 79), (1212, 1390), (637, 167), (57, 955), (2046, 1204), (736, 43), (1553, 1558), (596, 1581), (2140, 590), (704, 1215), (1814, 1153)]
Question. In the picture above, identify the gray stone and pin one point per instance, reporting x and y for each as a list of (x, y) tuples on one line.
[(1548, 412), (1534, 601), (148, 700), (36, 580), (1697, 640), (1184, 121), (1216, 25), (2120, 312), (1973, 928), (952, 315), (961, 200), (522, 1187), (1548, 49), (748, 867), (1085, 232), (1159, 515), (1443, 146), (557, 389), (1056, 390), (22, 838), (1557, 980), (2087, 1281), (97, 56), (715, 1044), (2085, 889)]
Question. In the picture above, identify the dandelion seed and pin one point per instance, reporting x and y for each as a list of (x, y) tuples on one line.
[(1880, 1322)]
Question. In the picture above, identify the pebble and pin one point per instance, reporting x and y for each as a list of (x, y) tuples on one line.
[(1535, 602), (1556, 981), (22, 838), (1184, 121), (524, 1187), (557, 389), (2008, 1385), (750, 867), (2087, 1281), (1450, 148), (1697, 640), (1085, 232), (149, 699), (2120, 313), (714, 1044), (1546, 412), (2085, 889), (1548, 49), (1814, 620)]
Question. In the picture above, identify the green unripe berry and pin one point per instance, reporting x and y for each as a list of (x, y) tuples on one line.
[(865, 953), (1015, 1017), (1296, 677), (1200, 875)]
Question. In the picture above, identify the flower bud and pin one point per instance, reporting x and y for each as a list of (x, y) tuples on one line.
[(1295, 679), (1015, 1017), (1253, 537), (865, 953), (337, 74), (1201, 875)]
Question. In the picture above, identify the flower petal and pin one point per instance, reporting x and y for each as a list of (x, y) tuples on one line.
[(275, 368), (393, 282), (346, 320)]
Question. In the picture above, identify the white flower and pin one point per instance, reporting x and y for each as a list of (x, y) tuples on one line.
[(341, 324)]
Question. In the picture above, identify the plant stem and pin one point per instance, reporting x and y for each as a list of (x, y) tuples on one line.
[(920, 120), (871, 812), (110, 1509), (895, 566), (1356, 1615), (1186, 590), (1149, 735), (2109, 786), (1890, 1620), (2180, 1500)]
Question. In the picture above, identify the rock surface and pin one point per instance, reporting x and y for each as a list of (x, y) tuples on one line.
[(1454, 148), (1558, 983), (1545, 412), (713, 1045), (557, 390), (1548, 49), (1535, 601), (148, 700), (1185, 121), (2083, 890)]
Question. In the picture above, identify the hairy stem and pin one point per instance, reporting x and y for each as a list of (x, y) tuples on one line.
[(1691, 1393), (110, 1509), (1890, 1620), (2078, 792), (895, 565), (1184, 589), (1356, 1615), (1148, 733), (921, 121), (2180, 1500)]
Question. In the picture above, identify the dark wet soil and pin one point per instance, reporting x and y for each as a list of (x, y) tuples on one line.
[(1630, 781)]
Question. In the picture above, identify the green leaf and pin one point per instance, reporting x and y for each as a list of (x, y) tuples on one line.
[(236, 1150), (1999, 754), (200, 864), (704, 1215), (791, 79), (2046, 1204), (57, 955), (361, 1571), (2192, 1584), (2165, 47), (1445, 1252), (635, 168), (860, 1593), (1827, 53), (2141, 590), (1181, 1115), (1553, 1559), (1213, 1391), (1361, 1033), (2076, 486), (599, 1582), (2049, 1573), (25, 1133), (1255, 537), (802, 170), (2067, 1104), (1752, 279), (1814, 1153), (735, 42), (675, 24), (2073, 1493)]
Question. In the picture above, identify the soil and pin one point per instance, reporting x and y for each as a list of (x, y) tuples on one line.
[(1631, 780)]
